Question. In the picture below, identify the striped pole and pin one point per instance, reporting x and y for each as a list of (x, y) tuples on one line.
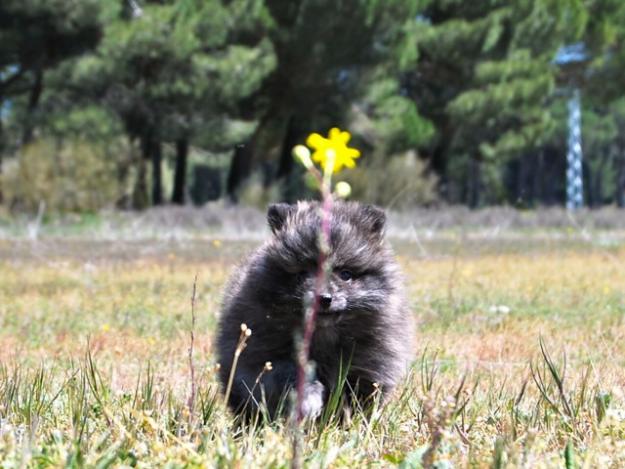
[(574, 176)]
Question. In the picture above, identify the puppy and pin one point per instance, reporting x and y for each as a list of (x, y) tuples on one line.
[(363, 319)]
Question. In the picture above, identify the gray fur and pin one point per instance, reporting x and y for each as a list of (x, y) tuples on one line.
[(367, 320)]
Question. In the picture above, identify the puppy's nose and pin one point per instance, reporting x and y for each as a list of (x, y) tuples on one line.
[(325, 299)]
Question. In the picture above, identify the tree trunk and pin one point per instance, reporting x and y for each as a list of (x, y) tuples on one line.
[(180, 174), (1, 194), (244, 156), (239, 170), (33, 103), (474, 183), (157, 177), (597, 180), (288, 142), (1, 153), (620, 182), (537, 177), (292, 189), (150, 152), (140, 191), (520, 196), (124, 199)]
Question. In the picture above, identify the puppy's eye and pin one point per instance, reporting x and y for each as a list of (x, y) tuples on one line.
[(345, 275)]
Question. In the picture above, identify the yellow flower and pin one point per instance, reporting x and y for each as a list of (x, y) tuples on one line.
[(333, 151)]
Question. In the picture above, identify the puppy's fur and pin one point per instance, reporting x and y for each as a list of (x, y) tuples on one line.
[(364, 318)]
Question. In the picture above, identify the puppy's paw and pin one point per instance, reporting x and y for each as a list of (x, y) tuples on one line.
[(313, 399)]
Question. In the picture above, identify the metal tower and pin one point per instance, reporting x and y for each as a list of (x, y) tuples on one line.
[(574, 176), (571, 59)]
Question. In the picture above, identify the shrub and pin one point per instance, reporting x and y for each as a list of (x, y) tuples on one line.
[(66, 176), (255, 193), (399, 182)]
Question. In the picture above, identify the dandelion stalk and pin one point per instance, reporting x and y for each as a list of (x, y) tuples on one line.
[(191, 401), (323, 268), (246, 332), (332, 154)]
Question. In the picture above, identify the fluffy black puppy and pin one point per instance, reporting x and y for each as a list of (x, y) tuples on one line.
[(363, 317)]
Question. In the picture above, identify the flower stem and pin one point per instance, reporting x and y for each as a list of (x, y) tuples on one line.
[(312, 310)]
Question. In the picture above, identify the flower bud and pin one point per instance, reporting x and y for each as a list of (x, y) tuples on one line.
[(302, 154), (343, 189)]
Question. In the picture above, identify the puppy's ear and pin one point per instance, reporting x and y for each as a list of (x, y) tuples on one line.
[(277, 215), (374, 219)]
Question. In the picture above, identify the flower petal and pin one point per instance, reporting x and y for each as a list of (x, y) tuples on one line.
[(344, 137), (349, 163), (316, 141), (319, 156), (352, 153), (334, 133)]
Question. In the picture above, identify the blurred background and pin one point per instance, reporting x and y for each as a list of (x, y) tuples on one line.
[(130, 104)]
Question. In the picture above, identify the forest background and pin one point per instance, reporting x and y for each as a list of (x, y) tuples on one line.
[(130, 104)]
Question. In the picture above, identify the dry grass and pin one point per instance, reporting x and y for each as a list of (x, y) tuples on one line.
[(94, 362)]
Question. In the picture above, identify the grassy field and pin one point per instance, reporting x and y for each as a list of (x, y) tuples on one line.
[(519, 361)]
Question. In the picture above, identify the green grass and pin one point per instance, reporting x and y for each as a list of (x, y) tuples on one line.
[(518, 363)]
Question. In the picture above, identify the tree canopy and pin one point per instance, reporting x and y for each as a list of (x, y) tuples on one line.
[(462, 102)]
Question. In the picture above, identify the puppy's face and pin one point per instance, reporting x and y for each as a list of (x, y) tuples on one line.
[(358, 280)]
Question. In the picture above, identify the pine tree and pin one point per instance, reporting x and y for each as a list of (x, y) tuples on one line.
[(485, 77), (172, 69), (326, 52), (35, 36), (604, 93)]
